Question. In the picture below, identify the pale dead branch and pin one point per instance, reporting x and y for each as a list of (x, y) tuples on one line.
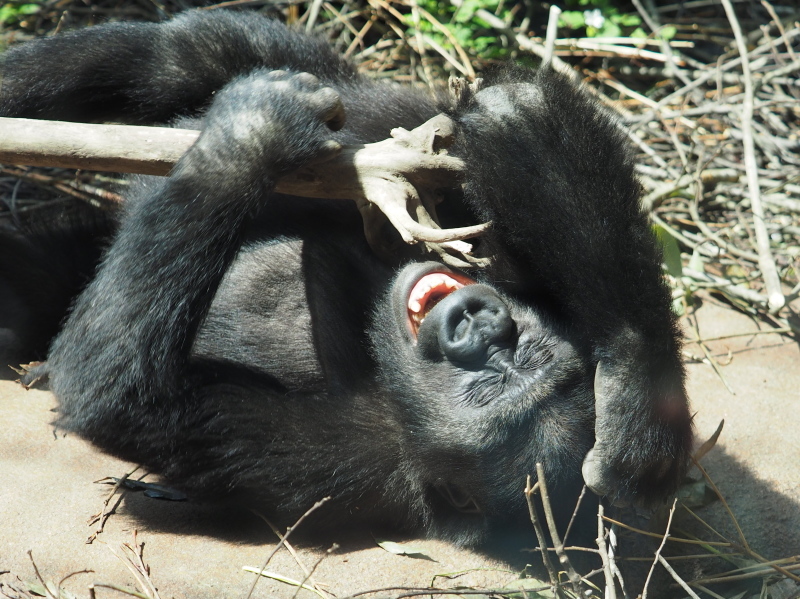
[(396, 179)]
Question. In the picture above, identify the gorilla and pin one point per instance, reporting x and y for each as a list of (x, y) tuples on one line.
[(250, 346)]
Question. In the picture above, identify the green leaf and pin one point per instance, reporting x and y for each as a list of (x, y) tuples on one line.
[(482, 44), (627, 20), (572, 19), (679, 306), (466, 11), (283, 579), (399, 549), (609, 29), (672, 253), (667, 32), (38, 589), (10, 13), (696, 261)]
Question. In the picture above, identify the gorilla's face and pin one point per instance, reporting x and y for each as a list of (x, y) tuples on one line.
[(487, 387)]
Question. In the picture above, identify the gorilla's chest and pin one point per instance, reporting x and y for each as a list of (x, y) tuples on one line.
[(260, 317)]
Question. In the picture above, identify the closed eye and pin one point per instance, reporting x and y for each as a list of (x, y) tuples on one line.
[(483, 390), (507, 376), (532, 356)]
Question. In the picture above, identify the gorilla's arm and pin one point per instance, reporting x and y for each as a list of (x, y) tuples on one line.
[(121, 366), (148, 72), (564, 201)]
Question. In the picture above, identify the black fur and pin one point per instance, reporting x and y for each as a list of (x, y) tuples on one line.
[(249, 345)]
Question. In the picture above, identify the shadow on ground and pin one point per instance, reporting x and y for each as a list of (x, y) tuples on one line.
[(47, 494)]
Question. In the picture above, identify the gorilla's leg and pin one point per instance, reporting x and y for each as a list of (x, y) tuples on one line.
[(147, 72), (153, 73)]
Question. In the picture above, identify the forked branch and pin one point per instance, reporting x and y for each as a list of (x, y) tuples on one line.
[(398, 179)]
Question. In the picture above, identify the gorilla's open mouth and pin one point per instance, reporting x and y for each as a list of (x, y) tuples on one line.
[(429, 290)]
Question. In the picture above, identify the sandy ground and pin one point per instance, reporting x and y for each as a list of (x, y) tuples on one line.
[(47, 494)]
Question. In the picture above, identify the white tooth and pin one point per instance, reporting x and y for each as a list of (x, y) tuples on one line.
[(424, 287)]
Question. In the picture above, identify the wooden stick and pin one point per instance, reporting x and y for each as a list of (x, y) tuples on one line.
[(399, 175), (117, 148)]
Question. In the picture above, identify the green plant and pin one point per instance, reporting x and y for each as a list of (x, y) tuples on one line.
[(464, 25), (14, 12), (601, 18)]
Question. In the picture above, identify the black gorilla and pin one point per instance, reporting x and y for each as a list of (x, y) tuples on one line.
[(249, 345)]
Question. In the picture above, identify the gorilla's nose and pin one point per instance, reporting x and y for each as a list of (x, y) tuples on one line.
[(466, 324)]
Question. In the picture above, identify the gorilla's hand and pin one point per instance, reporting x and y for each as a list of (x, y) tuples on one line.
[(269, 123), (642, 438)]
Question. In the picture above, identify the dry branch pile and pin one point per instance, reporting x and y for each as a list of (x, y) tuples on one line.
[(721, 164)]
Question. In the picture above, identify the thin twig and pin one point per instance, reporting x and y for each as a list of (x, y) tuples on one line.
[(776, 331), (710, 74), (466, 65), (727, 288), (281, 543), (289, 548), (721, 497), (575, 513), (575, 579), (766, 261), (537, 527), (332, 548), (114, 587), (660, 548), (136, 566), (522, 41), (611, 589), (611, 549), (106, 513), (765, 569), (552, 31), (774, 16), (671, 539), (39, 576), (709, 358), (676, 578)]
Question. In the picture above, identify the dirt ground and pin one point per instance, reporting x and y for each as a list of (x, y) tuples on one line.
[(47, 494)]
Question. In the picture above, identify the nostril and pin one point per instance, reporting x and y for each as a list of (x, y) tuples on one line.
[(464, 325), (475, 319), (462, 328)]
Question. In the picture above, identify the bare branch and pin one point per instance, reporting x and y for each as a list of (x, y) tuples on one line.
[(117, 148), (611, 589), (660, 548), (400, 176), (537, 526), (772, 281), (285, 538), (577, 584)]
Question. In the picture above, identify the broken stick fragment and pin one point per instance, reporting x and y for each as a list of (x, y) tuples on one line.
[(400, 175)]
